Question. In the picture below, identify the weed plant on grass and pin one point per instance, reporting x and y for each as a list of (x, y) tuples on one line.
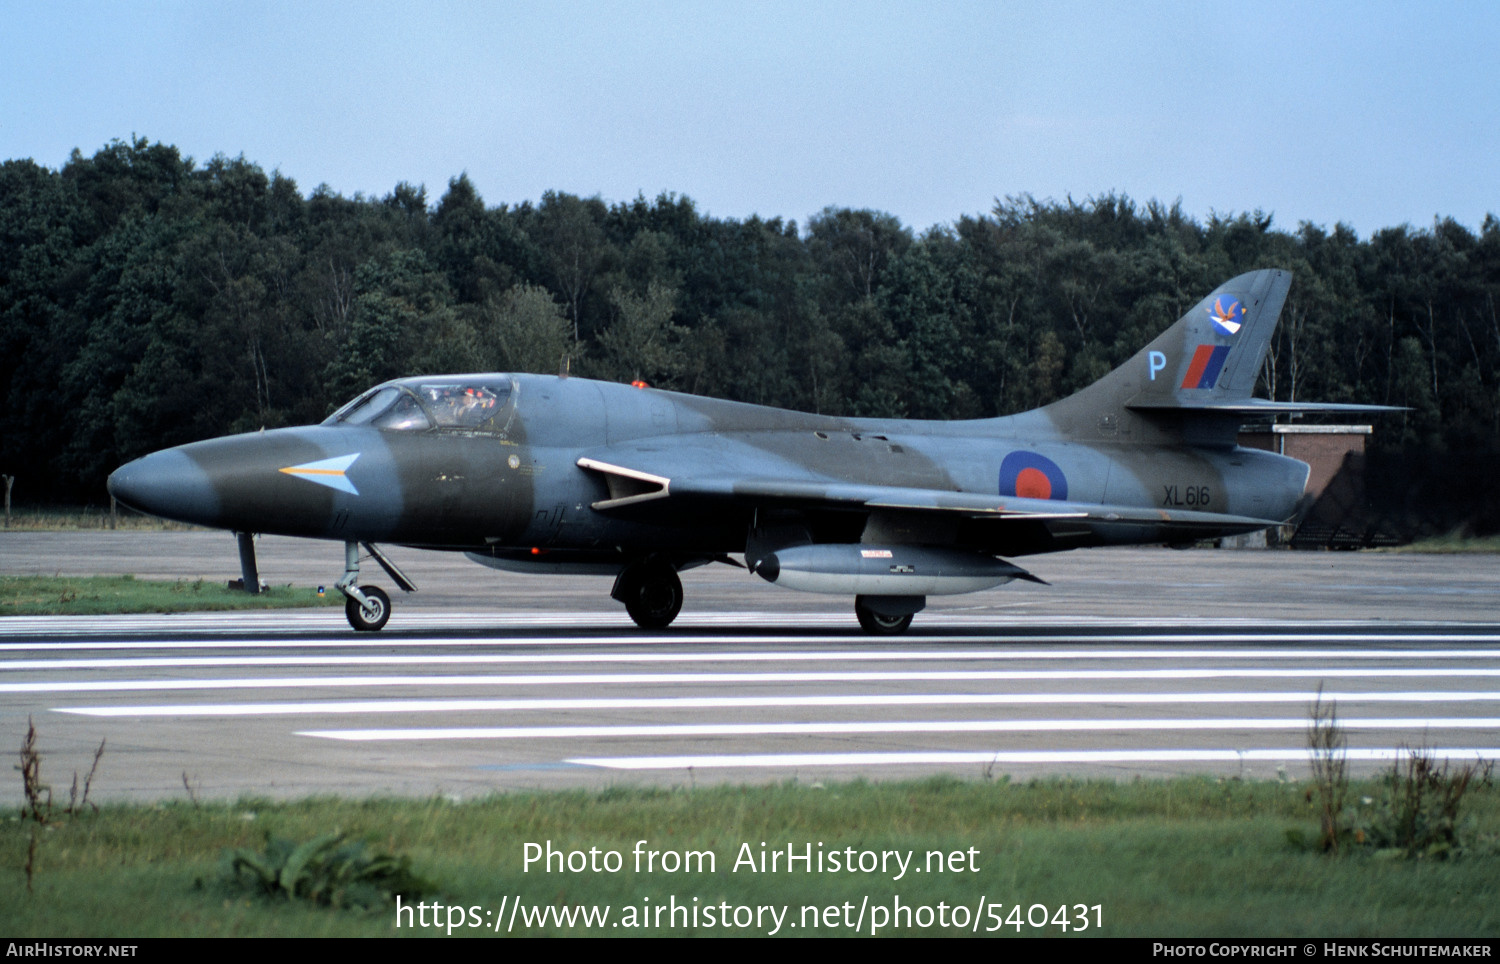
[(1190, 857)]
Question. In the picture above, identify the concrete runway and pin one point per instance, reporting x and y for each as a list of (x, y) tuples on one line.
[(1135, 662)]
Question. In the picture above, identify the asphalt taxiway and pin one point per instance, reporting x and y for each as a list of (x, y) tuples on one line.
[(1134, 662)]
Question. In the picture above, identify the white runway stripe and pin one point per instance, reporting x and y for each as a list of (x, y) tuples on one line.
[(703, 762), (676, 679), (488, 659), (661, 704), (332, 621), (1021, 649), (909, 726), (1017, 647)]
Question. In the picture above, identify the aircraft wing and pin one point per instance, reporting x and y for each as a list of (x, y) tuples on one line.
[(968, 504), (658, 489)]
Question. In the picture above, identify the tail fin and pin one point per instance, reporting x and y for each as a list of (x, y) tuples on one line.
[(1214, 353), (1198, 374), (1211, 355)]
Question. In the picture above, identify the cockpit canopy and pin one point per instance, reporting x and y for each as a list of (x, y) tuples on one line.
[(455, 404)]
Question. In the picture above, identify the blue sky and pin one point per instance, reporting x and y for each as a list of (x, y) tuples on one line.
[(1374, 114)]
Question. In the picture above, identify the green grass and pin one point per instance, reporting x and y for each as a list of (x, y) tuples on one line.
[(100, 595), (1449, 544), (1190, 857), (69, 519)]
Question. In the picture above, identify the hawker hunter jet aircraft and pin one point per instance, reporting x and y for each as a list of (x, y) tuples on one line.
[(558, 475)]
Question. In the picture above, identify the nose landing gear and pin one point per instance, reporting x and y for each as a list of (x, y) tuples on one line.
[(368, 608)]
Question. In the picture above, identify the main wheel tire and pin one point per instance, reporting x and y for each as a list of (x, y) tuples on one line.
[(878, 625), (652, 595), (371, 619)]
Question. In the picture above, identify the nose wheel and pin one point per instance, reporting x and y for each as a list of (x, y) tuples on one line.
[(372, 614)]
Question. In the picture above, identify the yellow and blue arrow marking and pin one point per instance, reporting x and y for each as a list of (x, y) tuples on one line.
[(329, 472)]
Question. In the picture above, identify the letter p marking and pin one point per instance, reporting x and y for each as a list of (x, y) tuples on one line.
[(1156, 361)]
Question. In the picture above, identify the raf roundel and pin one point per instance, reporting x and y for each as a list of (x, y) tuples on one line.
[(1027, 475)]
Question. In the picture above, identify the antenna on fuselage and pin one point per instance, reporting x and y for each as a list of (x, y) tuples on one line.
[(565, 365)]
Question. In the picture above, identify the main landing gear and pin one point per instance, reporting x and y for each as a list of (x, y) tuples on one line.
[(651, 592), (887, 615), (368, 608)]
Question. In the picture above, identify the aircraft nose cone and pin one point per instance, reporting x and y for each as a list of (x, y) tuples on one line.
[(166, 484)]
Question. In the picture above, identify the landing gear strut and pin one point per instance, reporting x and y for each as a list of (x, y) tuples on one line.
[(249, 574), (368, 608), (651, 592)]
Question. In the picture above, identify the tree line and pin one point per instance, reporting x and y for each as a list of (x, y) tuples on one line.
[(147, 300)]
